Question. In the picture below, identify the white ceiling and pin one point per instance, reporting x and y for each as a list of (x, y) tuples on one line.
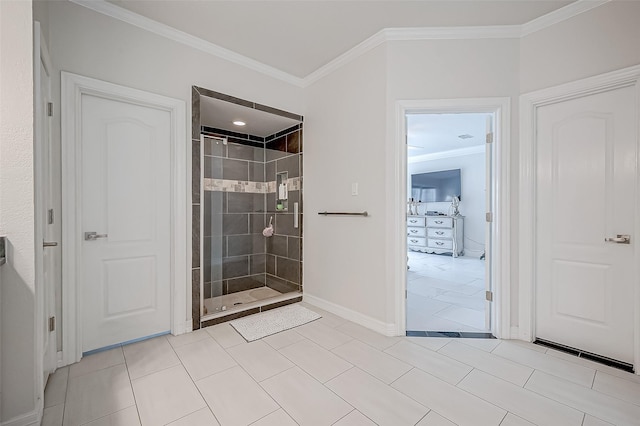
[(221, 114), (299, 37), (436, 133)]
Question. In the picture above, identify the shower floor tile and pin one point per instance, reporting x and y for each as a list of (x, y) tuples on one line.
[(227, 301)]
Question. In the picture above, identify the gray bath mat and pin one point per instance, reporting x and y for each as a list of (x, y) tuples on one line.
[(264, 324)]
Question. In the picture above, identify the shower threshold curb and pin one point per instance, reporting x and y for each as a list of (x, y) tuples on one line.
[(250, 306)]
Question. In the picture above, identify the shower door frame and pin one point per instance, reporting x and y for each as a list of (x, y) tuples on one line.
[(198, 320)]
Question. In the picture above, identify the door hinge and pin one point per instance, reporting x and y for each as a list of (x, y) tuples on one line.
[(50, 109), (52, 323), (50, 216), (489, 137), (489, 296), (489, 217)]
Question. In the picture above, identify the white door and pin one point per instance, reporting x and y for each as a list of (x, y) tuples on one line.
[(586, 156), (48, 259), (46, 217), (488, 200), (126, 172)]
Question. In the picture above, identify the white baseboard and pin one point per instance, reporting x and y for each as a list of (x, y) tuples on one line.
[(351, 315), (473, 253), (32, 418)]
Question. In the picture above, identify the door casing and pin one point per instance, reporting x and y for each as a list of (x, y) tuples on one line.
[(73, 88), (528, 198), (500, 235)]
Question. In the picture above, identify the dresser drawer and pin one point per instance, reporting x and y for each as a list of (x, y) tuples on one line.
[(415, 221), (416, 232), (440, 244), (417, 241), (439, 232), (439, 222)]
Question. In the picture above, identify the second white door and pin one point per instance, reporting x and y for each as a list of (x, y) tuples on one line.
[(126, 217), (586, 193)]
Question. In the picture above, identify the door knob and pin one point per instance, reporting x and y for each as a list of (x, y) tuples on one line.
[(90, 236), (49, 244), (619, 239)]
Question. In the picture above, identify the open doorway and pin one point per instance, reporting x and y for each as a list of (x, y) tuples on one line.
[(449, 192)]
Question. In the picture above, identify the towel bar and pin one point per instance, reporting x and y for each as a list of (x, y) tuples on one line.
[(343, 214)]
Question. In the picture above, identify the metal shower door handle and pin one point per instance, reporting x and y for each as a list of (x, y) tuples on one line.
[(619, 239), (91, 236)]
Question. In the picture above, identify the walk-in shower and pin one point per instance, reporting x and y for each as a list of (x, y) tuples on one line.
[(247, 208)]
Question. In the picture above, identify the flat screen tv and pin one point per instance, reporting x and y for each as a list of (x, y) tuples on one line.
[(436, 187)]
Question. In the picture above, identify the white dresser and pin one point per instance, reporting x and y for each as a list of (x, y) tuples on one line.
[(436, 234)]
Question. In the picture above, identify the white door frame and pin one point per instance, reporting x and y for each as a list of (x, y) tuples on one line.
[(500, 235), (529, 103), (73, 88)]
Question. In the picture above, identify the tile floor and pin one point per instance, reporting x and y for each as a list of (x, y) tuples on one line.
[(445, 293), (334, 372)]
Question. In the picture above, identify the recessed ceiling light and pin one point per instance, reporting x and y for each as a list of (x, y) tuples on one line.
[(465, 136), (239, 123)]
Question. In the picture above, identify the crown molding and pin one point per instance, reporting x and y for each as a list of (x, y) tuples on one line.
[(360, 49), (407, 34), (382, 36), (559, 15), (452, 33), (124, 15)]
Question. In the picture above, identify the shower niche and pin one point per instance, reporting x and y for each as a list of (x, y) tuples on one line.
[(244, 178), (282, 195)]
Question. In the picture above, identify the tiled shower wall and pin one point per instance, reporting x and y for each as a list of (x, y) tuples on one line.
[(239, 191)]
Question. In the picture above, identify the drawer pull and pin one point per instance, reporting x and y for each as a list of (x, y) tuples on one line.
[(414, 241), (439, 222), (413, 221), (440, 232), (440, 243), (413, 230)]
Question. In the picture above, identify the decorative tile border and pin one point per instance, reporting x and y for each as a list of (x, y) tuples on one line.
[(226, 185)]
